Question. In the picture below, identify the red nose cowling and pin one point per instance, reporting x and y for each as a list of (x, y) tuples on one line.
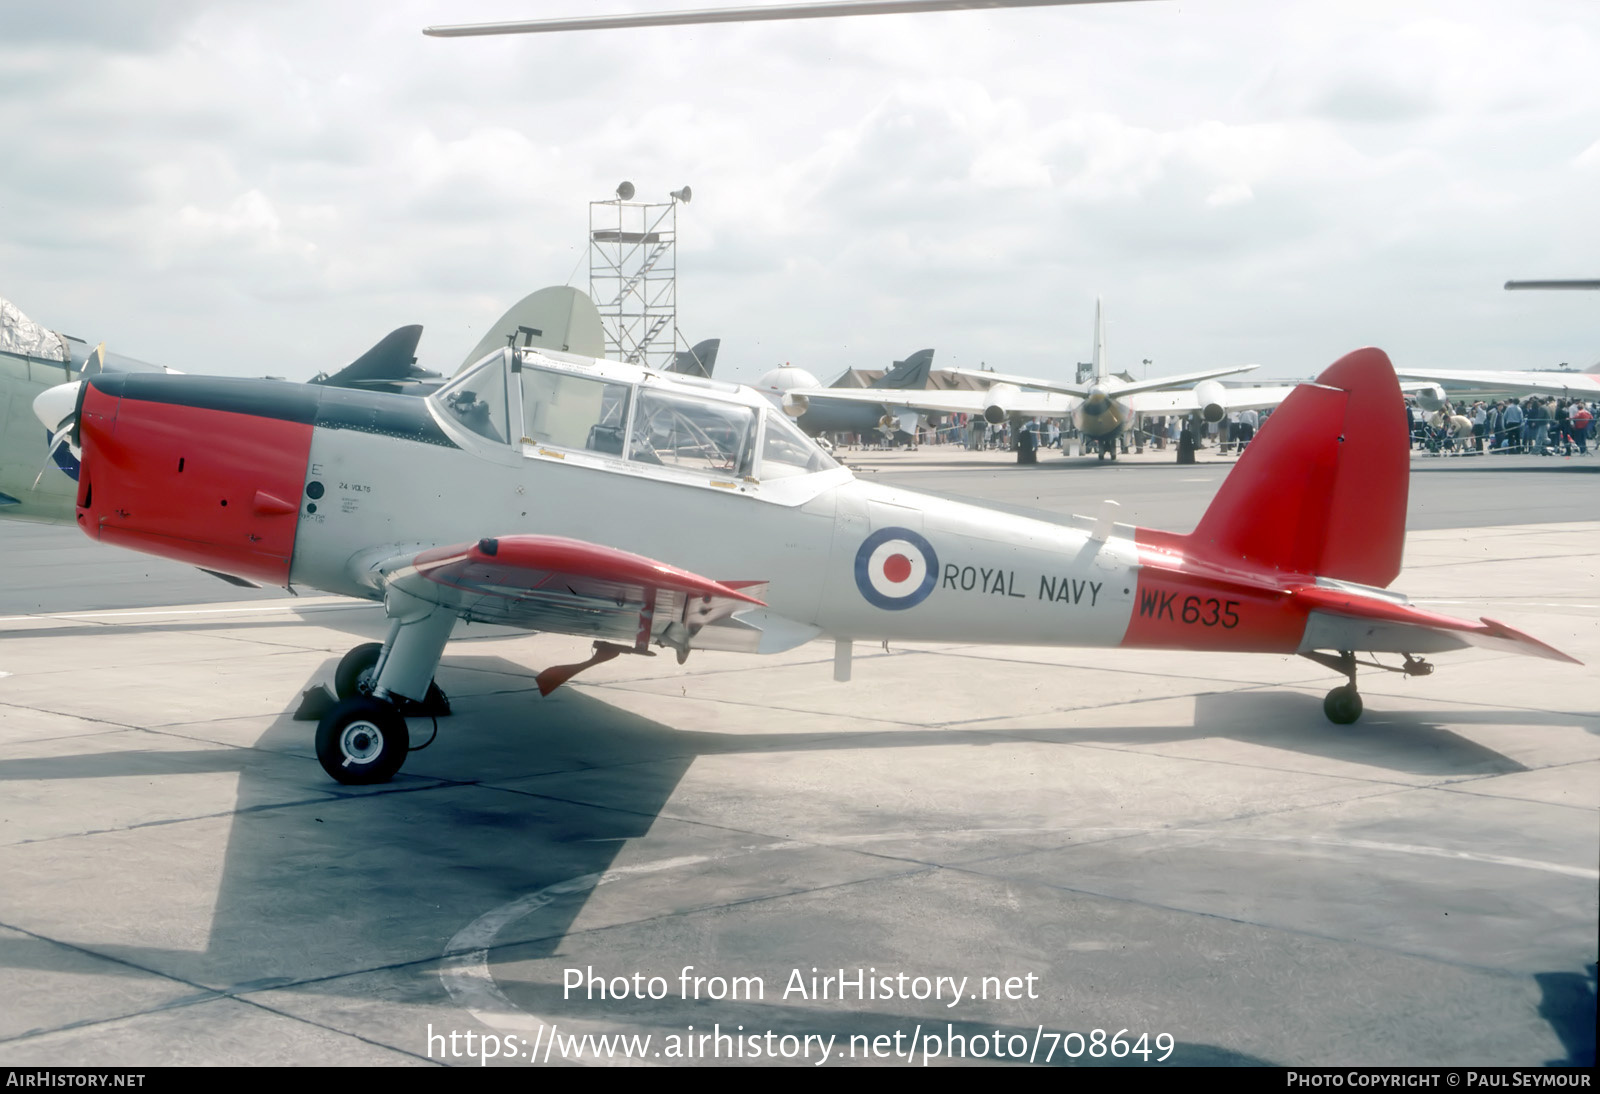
[(170, 475)]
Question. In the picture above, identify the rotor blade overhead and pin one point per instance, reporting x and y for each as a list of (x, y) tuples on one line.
[(1576, 284), (747, 14)]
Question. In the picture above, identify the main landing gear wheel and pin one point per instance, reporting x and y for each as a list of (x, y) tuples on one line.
[(362, 741), (354, 678), (1342, 705)]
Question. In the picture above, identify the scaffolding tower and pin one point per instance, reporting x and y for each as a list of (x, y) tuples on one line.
[(633, 275)]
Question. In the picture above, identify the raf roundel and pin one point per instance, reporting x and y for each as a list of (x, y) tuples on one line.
[(896, 568)]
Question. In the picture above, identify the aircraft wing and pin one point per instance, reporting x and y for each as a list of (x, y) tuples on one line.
[(550, 583), (1183, 379), (1032, 404), (1186, 401), (1345, 619), (1553, 383), (1119, 391), (1080, 391)]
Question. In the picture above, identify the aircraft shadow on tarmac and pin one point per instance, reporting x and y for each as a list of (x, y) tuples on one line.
[(320, 883), (1568, 1004), (1409, 741)]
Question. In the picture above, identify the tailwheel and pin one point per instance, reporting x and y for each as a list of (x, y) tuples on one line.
[(1342, 705), (362, 741)]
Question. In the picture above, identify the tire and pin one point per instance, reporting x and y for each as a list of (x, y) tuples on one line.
[(1342, 705), (353, 677), (362, 741)]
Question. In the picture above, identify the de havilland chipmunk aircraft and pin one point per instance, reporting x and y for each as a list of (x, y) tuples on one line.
[(644, 509)]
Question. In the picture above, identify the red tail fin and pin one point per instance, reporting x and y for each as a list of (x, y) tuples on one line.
[(1322, 488)]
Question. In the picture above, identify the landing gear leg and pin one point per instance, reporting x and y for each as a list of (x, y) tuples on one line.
[(364, 739), (357, 675), (1343, 704)]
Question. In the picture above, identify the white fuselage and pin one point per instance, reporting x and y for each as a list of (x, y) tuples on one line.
[(999, 578)]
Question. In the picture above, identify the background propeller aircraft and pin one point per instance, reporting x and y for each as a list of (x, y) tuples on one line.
[(560, 493), (1103, 407), (38, 481)]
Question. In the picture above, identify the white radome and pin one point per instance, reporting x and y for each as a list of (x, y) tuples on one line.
[(787, 378)]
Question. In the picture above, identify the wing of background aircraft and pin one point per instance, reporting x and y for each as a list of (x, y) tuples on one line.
[(1190, 400), (1030, 404), (1115, 388), (1586, 384)]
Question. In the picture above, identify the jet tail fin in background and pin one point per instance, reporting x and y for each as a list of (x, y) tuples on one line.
[(910, 374), (1102, 368), (699, 360), (1322, 489), (387, 366)]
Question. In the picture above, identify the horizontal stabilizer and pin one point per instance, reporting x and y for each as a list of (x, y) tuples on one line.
[(1342, 620)]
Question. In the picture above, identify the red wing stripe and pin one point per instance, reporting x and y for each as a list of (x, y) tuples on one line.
[(555, 555)]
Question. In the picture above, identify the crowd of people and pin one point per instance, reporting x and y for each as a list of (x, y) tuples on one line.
[(1532, 425)]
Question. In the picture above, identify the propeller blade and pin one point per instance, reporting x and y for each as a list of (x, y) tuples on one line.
[(56, 442)]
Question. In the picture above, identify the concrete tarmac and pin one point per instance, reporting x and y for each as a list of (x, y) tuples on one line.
[(1175, 849)]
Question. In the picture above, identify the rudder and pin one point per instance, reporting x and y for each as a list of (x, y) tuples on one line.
[(1322, 489)]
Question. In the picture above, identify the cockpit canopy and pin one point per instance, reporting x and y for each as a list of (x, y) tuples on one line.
[(551, 404)]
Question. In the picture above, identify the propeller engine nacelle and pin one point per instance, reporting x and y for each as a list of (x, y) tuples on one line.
[(996, 413), (1431, 397), (795, 404), (1213, 400)]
